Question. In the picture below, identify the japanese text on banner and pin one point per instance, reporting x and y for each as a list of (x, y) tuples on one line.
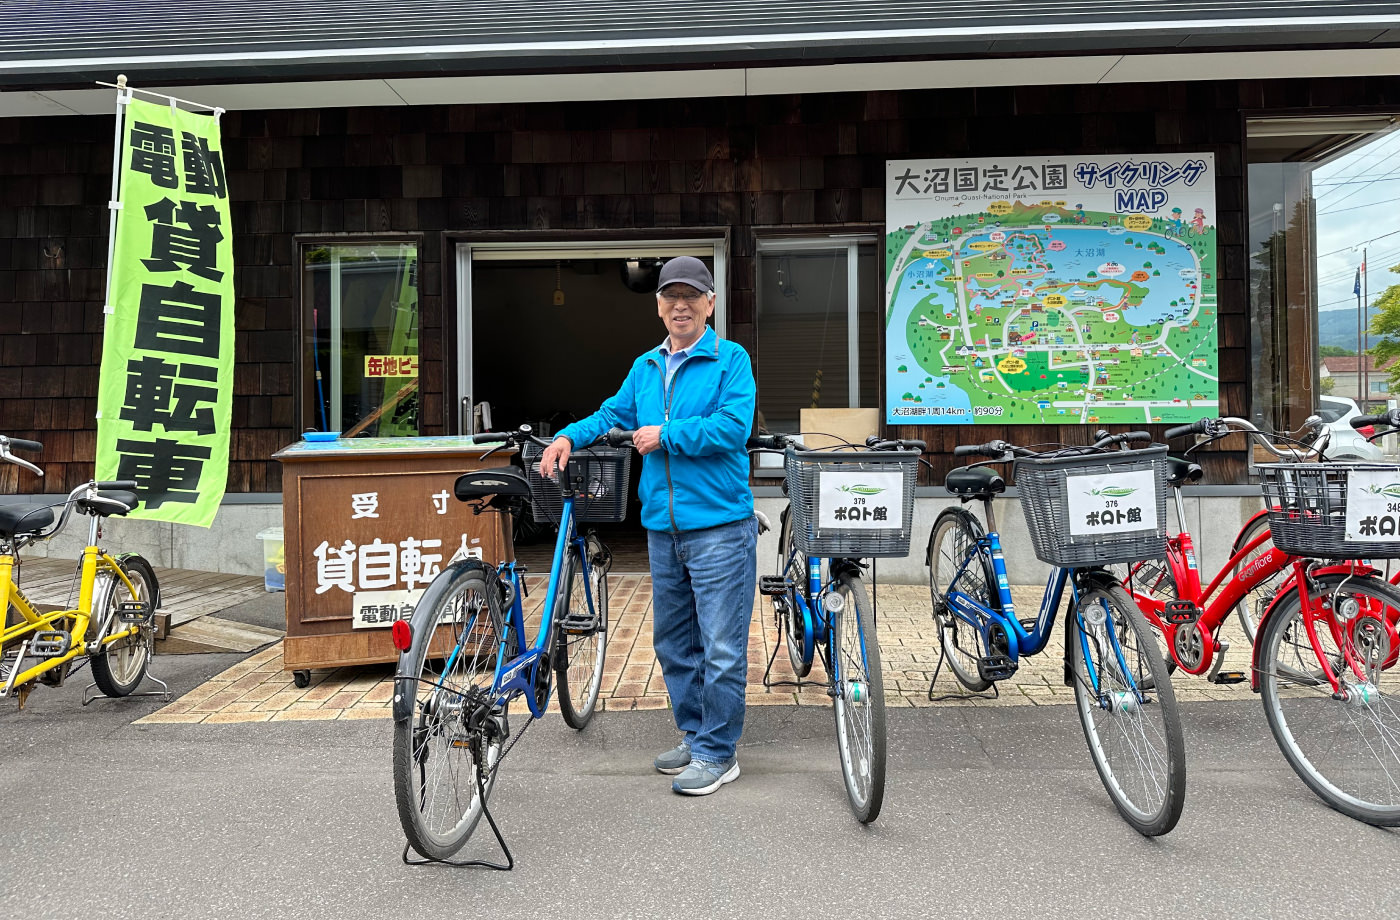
[(166, 389)]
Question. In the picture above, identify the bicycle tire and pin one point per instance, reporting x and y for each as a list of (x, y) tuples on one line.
[(580, 650), (960, 640), (1154, 578), (860, 700), (120, 666), (793, 563), (1251, 607), (1150, 730), (1297, 695), (461, 602)]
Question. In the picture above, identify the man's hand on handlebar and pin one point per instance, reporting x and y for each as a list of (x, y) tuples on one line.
[(555, 457), (647, 439)]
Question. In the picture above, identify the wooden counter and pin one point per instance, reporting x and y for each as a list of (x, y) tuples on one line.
[(367, 523)]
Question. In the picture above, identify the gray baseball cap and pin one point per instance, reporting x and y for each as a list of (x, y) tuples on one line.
[(686, 270)]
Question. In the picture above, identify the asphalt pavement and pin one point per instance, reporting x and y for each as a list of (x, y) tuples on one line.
[(990, 812)]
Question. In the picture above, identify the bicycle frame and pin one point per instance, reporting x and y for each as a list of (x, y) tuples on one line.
[(518, 675), (94, 560), (815, 618), (1020, 639)]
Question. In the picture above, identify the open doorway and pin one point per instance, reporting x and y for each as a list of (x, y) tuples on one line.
[(550, 334)]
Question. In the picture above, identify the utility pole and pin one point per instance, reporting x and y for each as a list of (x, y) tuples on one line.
[(1366, 322)]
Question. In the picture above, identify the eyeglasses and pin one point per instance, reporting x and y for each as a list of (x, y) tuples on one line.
[(671, 298)]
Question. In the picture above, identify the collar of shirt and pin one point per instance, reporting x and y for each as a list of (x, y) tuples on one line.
[(674, 359)]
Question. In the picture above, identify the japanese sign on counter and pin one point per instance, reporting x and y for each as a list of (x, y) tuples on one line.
[(369, 523)]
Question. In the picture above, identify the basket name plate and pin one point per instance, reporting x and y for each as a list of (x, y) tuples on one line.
[(1373, 505), (1112, 503), (860, 501)]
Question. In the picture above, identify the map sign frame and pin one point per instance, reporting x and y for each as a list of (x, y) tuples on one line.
[(1051, 290)]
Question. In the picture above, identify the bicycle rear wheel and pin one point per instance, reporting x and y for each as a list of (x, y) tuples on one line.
[(120, 666), (860, 699), (1346, 750), (582, 641), (788, 609), (453, 733), (956, 564), (1251, 607), (1134, 732)]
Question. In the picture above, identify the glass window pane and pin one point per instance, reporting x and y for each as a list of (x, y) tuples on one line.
[(803, 334), (361, 347), (1321, 198)]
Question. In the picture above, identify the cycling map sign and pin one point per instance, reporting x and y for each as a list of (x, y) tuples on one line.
[(1054, 290)]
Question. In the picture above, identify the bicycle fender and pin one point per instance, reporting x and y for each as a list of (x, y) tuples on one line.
[(1291, 588), (405, 691), (155, 583)]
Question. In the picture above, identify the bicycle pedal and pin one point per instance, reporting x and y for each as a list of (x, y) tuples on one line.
[(50, 644), (577, 624), (995, 667), (1181, 613), (773, 585), (1229, 677), (134, 612)]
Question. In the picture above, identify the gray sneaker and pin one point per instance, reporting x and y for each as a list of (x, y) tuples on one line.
[(675, 760), (703, 777)]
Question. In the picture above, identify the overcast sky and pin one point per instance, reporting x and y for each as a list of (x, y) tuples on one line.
[(1358, 204)]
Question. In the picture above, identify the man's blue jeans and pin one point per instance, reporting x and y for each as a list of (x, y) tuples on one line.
[(702, 602)]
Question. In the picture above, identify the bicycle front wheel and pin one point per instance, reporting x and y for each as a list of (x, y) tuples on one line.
[(446, 754), (1127, 708), (860, 699), (120, 666), (1346, 749), (582, 631)]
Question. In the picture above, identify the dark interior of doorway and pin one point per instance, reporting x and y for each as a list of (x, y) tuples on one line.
[(546, 362)]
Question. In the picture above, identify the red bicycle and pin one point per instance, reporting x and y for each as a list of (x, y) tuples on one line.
[(1324, 623)]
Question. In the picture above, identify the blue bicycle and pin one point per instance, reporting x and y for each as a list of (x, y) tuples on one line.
[(844, 506), (1086, 508), (464, 658)]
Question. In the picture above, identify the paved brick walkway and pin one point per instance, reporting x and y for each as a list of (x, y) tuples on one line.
[(258, 690)]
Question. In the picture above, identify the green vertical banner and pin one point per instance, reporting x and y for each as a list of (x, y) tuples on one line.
[(165, 396)]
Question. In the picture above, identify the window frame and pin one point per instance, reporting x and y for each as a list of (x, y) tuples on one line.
[(303, 372)]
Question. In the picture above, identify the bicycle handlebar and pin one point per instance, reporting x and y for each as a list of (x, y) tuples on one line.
[(618, 437), (120, 485), (21, 444), (876, 443), (1201, 426), (1390, 419), (993, 449), (1110, 440)]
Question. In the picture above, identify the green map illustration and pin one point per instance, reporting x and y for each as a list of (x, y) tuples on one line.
[(1043, 313)]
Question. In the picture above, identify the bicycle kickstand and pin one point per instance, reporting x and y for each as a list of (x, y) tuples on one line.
[(471, 863)]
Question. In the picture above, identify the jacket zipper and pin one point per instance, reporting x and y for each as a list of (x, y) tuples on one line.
[(670, 488)]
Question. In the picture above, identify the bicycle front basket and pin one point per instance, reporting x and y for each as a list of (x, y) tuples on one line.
[(602, 474), (1333, 510), (1096, 509), (852, 504)]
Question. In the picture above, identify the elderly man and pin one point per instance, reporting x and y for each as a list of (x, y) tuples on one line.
[(691, 401)]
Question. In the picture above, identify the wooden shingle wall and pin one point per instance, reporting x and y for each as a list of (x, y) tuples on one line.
[(749, 165)]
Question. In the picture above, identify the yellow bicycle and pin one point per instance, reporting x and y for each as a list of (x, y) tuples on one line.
[(112, 628)]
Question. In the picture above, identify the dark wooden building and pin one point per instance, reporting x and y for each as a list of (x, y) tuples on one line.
[(503, 165)]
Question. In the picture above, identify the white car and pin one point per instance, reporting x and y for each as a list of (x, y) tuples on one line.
[(1346, 443)]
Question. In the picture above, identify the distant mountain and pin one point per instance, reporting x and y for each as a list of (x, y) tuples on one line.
[(1338, 327)]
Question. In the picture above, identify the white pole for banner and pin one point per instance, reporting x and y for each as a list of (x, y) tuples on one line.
[(114, 204), (121, 84)]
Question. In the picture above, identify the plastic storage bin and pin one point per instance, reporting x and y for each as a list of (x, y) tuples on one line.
[(274, 560)]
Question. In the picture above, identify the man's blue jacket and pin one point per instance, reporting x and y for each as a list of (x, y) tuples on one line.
[(700, 476)]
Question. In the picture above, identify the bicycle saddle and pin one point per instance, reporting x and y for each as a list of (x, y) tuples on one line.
[(18, 518), (1181, 472), (975, 482), (129, 499), (499, 480)]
